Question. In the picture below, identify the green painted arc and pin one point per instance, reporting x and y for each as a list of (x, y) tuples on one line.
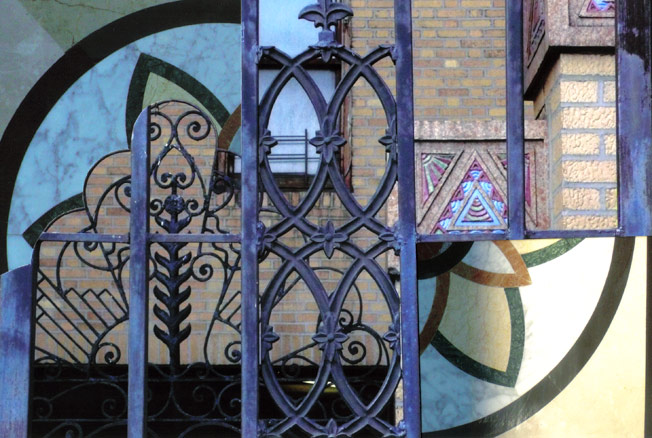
[(538, 257), (556, 381), (32, 233), (483, 372), (148, 64)]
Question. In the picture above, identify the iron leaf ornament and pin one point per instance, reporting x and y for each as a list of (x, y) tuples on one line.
[(329, 238), (333, 431), (330, 337), (326, 13)]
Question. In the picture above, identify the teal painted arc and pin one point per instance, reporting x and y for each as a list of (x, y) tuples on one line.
[(149, 64), (483, 372)]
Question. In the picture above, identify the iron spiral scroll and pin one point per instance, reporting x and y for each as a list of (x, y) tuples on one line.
[(82, 296)]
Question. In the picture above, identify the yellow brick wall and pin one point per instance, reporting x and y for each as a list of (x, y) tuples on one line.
[(459, 54), (578, 101)]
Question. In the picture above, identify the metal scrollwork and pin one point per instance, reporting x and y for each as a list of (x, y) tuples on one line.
[(339, 383), (341, 334), (81, 331)]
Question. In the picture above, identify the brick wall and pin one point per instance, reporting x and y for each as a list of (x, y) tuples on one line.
[(459, 54), (578, 100)]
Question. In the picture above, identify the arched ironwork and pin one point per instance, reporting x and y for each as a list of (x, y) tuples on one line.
[(149, 318)]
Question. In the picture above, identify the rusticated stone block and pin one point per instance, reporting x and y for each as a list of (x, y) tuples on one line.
[(609, 92), (610, 144), (581, 199), (589, 118), (589, 171), (587, 65), (589, 222), (580, 144), (579, 91), (611, 199)]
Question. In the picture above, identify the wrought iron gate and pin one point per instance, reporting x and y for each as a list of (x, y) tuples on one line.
[(211, 354)]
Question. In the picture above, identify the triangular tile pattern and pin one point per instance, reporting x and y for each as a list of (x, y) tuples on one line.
[(434, 167), (536, 27), (475, 206), (477, 212), (601, 6), (502, 158)]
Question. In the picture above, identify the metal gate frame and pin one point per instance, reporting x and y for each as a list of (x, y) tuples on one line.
[(634, 50)]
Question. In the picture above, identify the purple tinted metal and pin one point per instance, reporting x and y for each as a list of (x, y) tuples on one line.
[(634, 61), (249, 333), (515, 123), (407, 219), (139, 277), (333, 328), (16, 338), (83, 237)]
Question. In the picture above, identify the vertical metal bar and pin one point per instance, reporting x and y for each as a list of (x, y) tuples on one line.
[(407, 219), (305, 155), (16, 338), (249, 218), (138, 273), (634, 117), (648, 344), (515, 124)]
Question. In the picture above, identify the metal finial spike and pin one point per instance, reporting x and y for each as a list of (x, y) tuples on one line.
[(326, 13)]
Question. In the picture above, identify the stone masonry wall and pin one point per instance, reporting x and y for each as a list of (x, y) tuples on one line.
[(578, 100)]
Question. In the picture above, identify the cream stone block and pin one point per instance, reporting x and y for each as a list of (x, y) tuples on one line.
[(611, 199), (589, 118), (580, 144), (610, 144), (589, 171), (558, 203), (579, 91), (593, 65), (554, 99), (581, 199), (609, 92), (589, 222)]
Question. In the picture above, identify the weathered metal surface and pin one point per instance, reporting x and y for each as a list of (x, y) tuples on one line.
[(515, 122), (634, 61), (250, 327), (407, 232), (139, 276), (16, 313)]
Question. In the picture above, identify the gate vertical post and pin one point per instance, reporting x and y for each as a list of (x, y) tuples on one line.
[(515, 134), (249, 183), (634, 85), (407, 219), (138, 278), (16, 339)]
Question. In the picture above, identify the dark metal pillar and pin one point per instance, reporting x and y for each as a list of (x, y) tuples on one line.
[(407, 219), (249, 218), (634, 117), (515, 124), (138, 278), (16, 339)]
